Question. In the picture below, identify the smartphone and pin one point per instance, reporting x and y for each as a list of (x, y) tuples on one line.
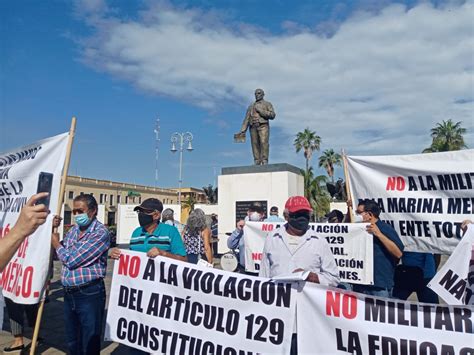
[(45, 183)]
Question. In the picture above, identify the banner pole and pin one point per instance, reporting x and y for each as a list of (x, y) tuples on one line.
[(62, 189), (347, 185)]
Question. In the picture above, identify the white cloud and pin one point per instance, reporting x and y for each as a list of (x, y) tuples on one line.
[(376, 86)]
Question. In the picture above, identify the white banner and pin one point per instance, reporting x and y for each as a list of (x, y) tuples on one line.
[(166, 306), (24, 277), (350, 244), (425, 197), (454, 282), (332, 321)]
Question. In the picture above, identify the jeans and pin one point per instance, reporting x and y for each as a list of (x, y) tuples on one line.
[(372, 291), (83, 313), (2, 304)]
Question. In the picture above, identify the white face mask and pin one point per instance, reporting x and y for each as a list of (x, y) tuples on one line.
[(255, 217), (358, 218)]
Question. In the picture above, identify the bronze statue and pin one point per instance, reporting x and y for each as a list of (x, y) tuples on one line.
[(257, 118)]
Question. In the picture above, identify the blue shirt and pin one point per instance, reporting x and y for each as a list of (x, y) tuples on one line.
[(384, 262), (424, 261), (164, 237), (235, 241)]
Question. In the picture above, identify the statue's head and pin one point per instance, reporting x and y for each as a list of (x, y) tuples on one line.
[(259, 94)]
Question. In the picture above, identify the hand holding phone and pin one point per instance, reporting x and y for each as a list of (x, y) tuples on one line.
[(45, 184)]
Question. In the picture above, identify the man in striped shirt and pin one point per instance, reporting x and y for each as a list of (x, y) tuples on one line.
[(153, 237), (83, 253)]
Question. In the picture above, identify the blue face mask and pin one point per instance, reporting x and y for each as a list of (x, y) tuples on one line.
[(82, 220)]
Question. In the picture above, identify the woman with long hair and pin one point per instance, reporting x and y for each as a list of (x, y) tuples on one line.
[(197, 237)]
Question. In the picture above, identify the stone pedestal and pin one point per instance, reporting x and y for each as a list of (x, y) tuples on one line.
[(269, 184)]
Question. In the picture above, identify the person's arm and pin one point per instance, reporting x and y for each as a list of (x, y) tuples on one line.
[(87, 250), (234, 239), (177, 250), (395, 250), (31, 217), (329, 272), (206, 238)]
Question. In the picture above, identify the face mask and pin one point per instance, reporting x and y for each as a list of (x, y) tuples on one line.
[(144, 219), (299, 222), (82, 220), (255, 217), (358, 218)]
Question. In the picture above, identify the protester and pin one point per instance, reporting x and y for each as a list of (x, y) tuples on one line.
[(335, 216), (31, 217), (153, 237), (274, 215), (413, 275), (236, 240), (83, 254), (296, 247), (16, 312), (167, 216), (214, 234), (197, 237), (388, 249)]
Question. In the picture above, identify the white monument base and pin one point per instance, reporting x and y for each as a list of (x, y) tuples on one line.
[(239, 187)]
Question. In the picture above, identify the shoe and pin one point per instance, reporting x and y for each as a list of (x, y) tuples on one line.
[(10, 350)]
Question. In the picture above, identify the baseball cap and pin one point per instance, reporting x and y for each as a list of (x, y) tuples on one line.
[(274, 209), (151, 204), (298, 203), (335, 214)]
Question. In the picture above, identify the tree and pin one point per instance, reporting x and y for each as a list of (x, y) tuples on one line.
[(328, 160), (308, 141), (316, 193), (211, 194), (189, 203), (447, 136)]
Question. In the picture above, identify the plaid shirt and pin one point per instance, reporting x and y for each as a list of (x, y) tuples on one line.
[(84, 257)]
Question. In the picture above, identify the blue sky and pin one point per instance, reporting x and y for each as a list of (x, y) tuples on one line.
[(369, 76)]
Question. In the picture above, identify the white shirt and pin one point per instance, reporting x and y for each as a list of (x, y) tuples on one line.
[(311, 254)]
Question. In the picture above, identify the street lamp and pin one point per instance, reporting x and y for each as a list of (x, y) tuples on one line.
[(181, 138)]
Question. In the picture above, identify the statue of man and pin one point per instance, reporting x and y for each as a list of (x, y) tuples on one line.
[(257, 118)]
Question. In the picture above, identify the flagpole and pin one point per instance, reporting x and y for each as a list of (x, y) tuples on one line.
[(62, 189), (347, 185)]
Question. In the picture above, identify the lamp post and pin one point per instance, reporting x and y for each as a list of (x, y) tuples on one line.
[(181, 138)]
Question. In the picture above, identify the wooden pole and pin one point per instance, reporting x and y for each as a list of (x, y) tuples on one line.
[(347, 185), (62, 189)]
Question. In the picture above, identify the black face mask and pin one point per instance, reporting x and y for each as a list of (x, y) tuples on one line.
[(144, 219), (299, 221)]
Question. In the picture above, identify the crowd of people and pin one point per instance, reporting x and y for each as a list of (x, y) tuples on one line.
[(293, 247)]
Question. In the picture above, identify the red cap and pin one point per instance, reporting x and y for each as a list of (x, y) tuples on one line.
[(298, 203)]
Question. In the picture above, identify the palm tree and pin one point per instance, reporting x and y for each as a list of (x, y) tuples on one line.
[(328, 160), (316, 193), (309, 141), (447, 136), (189, 203)]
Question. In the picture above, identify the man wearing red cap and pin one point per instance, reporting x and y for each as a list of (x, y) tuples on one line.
[(295, 247)]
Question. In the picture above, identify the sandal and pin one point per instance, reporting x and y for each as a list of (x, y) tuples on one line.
[(15, 349)]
